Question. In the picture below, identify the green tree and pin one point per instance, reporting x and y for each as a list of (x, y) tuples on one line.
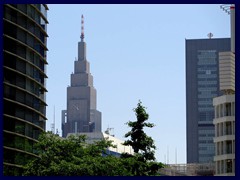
[(143, 145), (74, 157)]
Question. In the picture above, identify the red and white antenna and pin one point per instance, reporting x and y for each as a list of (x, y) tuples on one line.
[(82, 28)]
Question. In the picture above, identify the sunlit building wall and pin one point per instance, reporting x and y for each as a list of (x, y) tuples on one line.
[(224, 105)]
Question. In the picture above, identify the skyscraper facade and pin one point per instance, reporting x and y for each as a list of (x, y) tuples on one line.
[(202, 85), (81, 114), (24, 83)]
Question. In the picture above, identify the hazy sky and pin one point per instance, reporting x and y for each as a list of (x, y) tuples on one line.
[(136, 52)]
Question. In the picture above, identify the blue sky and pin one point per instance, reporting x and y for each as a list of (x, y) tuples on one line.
[(136, 52)]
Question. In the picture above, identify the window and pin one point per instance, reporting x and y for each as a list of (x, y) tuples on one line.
[(30, 26), (30, 11), (20, 127), (28, 145), (233, 108), (28, 115), (228, 109), (29, 100), (28, 130), (19, 142), (21, 66), (228, 128), (21, 35), (229, 166), (21, 20), (20, 96), (20, 113), (30, 40), (22, 7), (228, 147), (20, 81), (21, 51), (29, 55), (208, 72), (218, 149)]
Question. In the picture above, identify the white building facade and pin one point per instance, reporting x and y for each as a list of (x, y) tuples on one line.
[(224, 140), (91, 137), (224, 105)]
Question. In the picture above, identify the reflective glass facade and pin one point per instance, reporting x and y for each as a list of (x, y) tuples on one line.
[(24, 69), (202, 85)]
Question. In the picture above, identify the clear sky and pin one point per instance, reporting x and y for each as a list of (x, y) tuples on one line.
[(136, 52)]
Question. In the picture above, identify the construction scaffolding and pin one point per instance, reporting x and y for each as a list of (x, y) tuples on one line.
[(207, 169)]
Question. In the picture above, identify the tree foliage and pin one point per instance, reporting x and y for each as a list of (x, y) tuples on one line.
[(143, 145), (140, 142), (72, 156)]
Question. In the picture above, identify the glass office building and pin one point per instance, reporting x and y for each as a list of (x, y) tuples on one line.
[(202, 85), (24, 82)]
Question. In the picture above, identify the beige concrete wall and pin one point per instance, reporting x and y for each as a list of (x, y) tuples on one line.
[(227, 71)]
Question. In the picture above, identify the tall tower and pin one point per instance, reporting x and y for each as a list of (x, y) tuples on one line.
[(81, 114), (202, 84)]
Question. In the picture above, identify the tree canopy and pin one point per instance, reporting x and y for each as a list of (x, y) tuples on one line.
[(143, 145), (140, 142), (72, 156)]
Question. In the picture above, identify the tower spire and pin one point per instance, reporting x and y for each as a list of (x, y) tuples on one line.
[(82, 29)]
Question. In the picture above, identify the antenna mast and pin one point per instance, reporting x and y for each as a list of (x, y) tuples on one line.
[(108, 131), (53, 124), (82, 29)]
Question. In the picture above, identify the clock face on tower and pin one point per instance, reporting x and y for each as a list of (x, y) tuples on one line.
[(76, 106), (75, 110)]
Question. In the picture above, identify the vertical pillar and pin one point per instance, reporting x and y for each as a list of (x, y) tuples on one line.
[(224, 166), (224, 110), (221, 167), (216, 130), (224, 128), (233, 165), (215, 111), (233, 127), (221, 125), (221, 147), (224, 147)]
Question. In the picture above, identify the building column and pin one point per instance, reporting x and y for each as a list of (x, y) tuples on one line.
[(224, 166), (224, 110), (224, 128), (216, 132), (221, 125), (215, 111), (221, 167), (233, 166)]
